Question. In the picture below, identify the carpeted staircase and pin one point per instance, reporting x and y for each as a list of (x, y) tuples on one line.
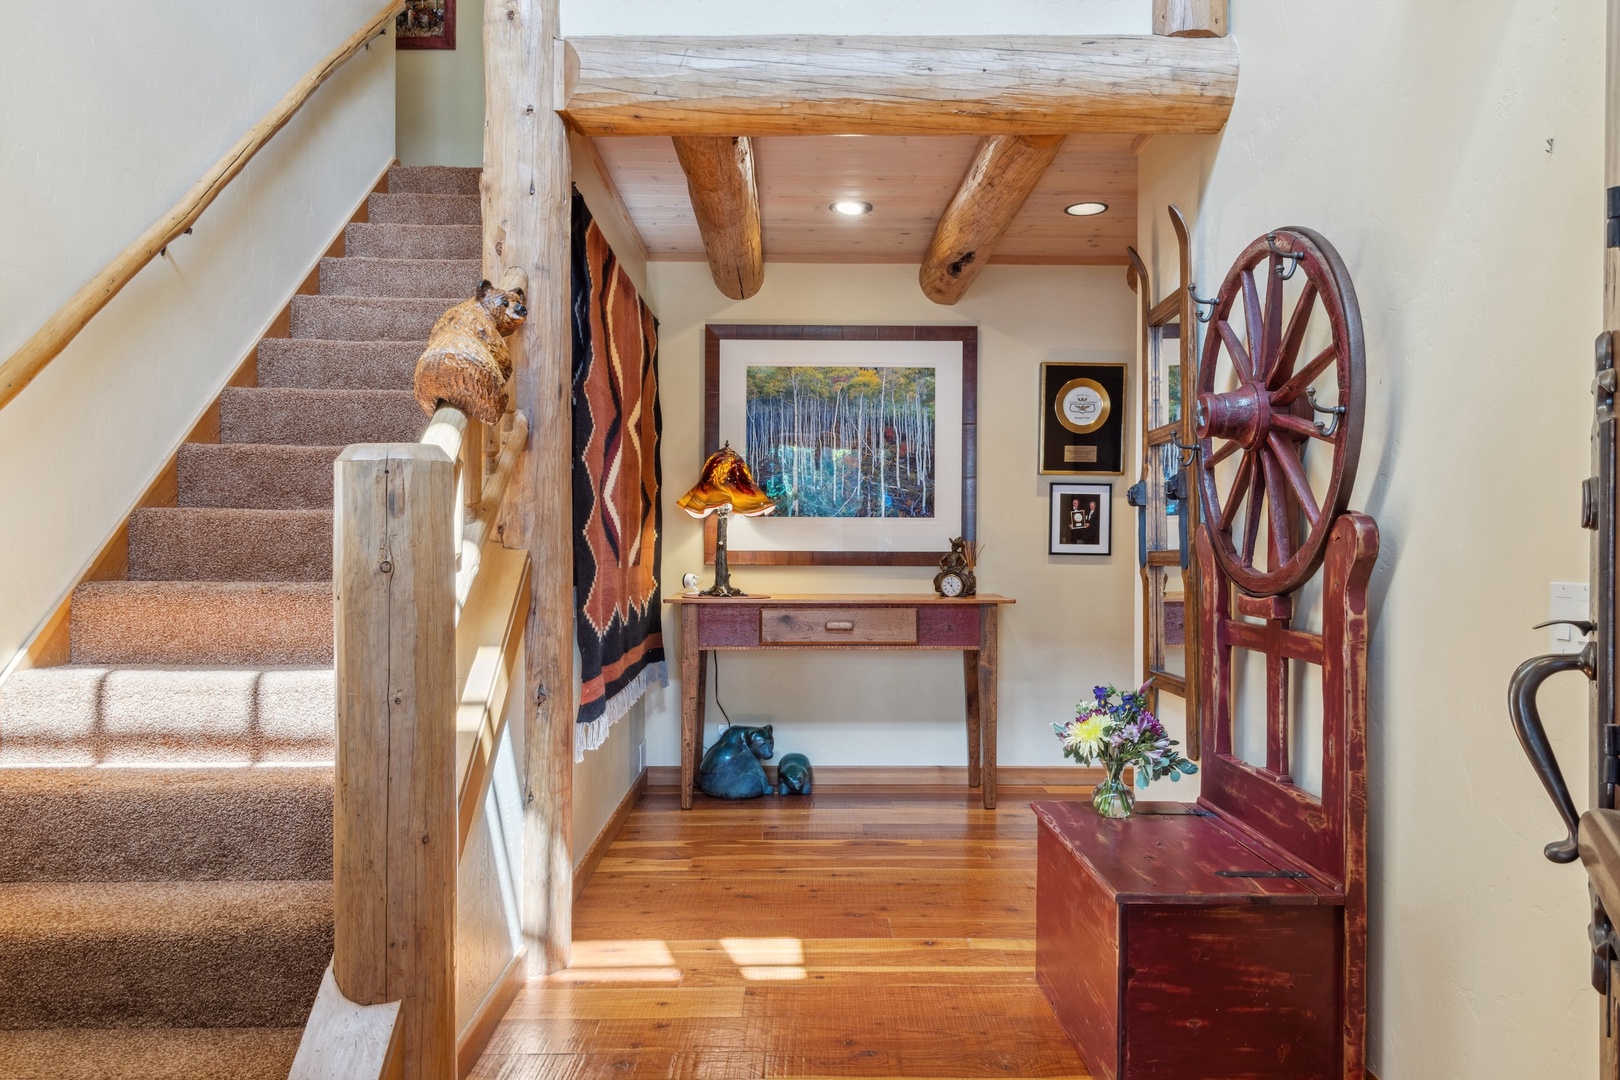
[(166, 798)]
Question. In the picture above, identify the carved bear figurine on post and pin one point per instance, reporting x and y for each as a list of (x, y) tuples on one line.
[(466, 363)]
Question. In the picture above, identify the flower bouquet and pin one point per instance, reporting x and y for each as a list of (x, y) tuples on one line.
[(1116, 729)]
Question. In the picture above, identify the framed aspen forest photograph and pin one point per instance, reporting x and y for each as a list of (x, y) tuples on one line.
[(863, 436)]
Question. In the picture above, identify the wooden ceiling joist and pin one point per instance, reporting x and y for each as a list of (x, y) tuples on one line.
[(823, 85), (725, 199), (1004, 172)]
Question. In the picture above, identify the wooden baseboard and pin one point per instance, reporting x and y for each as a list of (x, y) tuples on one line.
[(604, 839), (665, 778), (480, 1029), (49, 645)]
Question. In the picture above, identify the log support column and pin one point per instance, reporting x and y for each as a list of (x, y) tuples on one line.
[(526, 208)]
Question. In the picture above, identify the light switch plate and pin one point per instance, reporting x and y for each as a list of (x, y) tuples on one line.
[(1567, 600)]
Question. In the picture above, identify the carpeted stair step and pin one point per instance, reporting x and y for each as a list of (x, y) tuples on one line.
[(433, 180), (162, 953), (256, 476), (314, 364), (202, 622), (365, 240), (318, 417), (131, 824), (416, 209), (216, 544), (258, 1053), (368, 318), (399, 277), (171, 716)]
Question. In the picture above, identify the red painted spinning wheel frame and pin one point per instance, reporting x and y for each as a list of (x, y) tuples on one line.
[(1271, 418)]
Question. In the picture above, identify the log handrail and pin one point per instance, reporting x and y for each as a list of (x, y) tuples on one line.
[(61, 328)]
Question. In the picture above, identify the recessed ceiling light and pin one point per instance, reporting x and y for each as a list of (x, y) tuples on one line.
[(851, 207), (1085, 209)]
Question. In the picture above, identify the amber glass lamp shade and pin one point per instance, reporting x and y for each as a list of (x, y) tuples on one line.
[(727, 487), (726, 482)]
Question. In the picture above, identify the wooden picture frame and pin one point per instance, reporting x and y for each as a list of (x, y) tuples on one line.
[(423, 15), (1083, 409), (1082, 519), (739, 551)]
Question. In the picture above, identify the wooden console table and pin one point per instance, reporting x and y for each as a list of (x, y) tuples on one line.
[(910, 622)]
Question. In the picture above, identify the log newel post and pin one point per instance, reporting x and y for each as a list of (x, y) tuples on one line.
[(527, 200), (394, 810)]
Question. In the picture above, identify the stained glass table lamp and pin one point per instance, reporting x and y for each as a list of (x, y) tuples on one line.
[(725, 487)]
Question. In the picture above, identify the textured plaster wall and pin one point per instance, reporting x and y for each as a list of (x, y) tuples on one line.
[(1071, 627), (440, 93), (107, 121), (1415, 136)]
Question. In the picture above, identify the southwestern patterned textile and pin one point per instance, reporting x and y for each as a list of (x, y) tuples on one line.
[(618, 522)]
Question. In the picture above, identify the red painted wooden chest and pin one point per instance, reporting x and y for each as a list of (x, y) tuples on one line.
[(1226, 938)]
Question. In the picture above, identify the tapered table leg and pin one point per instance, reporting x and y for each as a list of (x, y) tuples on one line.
[(692, 692), (970, 679), (989, 661)]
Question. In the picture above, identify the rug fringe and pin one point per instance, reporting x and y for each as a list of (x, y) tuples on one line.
[(589, 736)]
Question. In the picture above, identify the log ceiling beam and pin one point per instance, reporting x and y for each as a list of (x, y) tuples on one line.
[(1189, 18), (1004, 172), (725, 199), (822, 85)]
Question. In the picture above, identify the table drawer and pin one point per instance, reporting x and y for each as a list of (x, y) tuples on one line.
[(837, 626)]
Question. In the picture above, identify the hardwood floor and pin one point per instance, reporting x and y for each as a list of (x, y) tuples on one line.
[(850, 934)]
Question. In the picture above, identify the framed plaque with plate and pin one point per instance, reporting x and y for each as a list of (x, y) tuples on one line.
[(1082, 419)]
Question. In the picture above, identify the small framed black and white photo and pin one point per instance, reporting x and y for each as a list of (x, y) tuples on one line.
[(1082, 519)]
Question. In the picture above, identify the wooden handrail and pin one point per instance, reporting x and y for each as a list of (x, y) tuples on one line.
[(61, 328)]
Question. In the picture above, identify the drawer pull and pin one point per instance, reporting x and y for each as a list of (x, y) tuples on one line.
[(840, 624)]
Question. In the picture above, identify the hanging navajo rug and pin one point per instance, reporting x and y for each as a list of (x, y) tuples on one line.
[(618, 522)]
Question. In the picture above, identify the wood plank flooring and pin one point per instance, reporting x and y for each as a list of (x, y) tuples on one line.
[(851, 934)]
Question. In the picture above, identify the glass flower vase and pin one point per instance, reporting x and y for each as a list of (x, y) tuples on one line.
[(1114, 798)]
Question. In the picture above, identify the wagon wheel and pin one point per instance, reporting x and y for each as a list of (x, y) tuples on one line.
[(1273, 419)]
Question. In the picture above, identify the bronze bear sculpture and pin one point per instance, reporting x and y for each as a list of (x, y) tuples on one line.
[(733, 767), (466, 363)]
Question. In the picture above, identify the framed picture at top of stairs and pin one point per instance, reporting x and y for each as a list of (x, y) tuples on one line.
[(426, 24)]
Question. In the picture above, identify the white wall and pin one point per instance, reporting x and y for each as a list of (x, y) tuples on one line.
[(108, 120), (582, 17), (440, 119), (1071, 626), (1414, 135)]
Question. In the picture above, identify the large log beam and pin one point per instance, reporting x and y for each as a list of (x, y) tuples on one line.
[(720, 178), (1189, 18), (817, 85), (1004, 172), (526, 207)]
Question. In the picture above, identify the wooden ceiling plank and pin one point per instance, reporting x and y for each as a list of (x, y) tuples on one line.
[(810, 85), (725, 198), (584, 151), (1004, 172)]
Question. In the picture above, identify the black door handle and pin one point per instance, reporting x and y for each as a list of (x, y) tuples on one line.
[(1526, 718)]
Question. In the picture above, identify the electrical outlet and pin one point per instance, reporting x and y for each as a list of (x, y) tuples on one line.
[(1567, 600), (641, 756)]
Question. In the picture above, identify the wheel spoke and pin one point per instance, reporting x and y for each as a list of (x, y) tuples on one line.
[(1240, 355), (1295, 337), (1267, 362), (1234, 498), (1293, 471), (1253, 323), (1299, 426), (1251, 518), (1290, 390), (1282, 548), (1222, 454)]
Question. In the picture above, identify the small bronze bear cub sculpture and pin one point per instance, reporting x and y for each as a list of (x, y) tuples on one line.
[(733, 769), (466, 363), (793, 775)]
